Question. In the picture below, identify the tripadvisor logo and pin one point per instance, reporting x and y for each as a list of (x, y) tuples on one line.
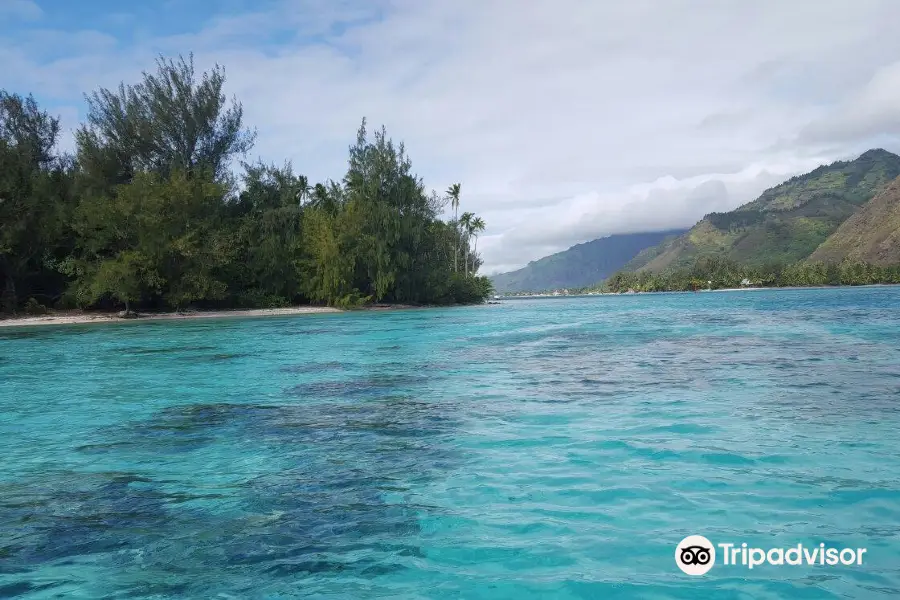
[(696, 555)]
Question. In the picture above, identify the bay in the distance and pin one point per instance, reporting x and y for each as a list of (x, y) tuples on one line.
[(539, 447)]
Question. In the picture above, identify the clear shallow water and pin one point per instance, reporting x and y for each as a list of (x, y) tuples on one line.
[(538, 449)]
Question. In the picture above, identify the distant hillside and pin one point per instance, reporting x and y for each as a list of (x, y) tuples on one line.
[(648, 254), (786, 223), (871, 235), (581, 265)]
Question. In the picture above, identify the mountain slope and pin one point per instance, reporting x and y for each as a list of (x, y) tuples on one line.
[(786, 223), (871, 235), (579, 266)]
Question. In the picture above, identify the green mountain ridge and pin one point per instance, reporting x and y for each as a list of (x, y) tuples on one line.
[(871, 235), (786, 224), (581, 265)]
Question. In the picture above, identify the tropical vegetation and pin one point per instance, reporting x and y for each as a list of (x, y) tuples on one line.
[(157, 209)]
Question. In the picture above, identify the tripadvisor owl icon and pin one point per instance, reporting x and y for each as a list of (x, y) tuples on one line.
[(695, 555)]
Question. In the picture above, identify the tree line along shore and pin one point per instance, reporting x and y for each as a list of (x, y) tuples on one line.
[(157, 210), (720, 273), (714, 273)]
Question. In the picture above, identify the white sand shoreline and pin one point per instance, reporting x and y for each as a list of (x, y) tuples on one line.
[(75, 317)]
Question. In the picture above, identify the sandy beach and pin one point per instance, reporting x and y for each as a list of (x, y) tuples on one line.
[(79, 317)]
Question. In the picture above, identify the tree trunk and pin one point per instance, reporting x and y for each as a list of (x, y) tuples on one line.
[(474, 255), (8, 299), (127, 313), (456, 230), (466, 257)]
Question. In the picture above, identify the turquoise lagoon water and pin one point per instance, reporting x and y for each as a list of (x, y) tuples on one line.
[(554, 448)]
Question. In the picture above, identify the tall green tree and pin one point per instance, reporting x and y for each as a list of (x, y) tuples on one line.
[(465, 223), (268, 239), (392, 212), (154, 182), (163, 236), (453, 193), (173, 120), (35, 201), (477, 226)]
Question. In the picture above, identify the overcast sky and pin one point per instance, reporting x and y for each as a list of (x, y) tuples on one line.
[(564, 120)]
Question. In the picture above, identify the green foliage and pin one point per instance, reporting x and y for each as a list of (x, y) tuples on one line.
[(352, 300), (170, 121), (33, 307), (156, 238), (468, 290), (35, 202), (126, 278), (150, 215), (735, 220)]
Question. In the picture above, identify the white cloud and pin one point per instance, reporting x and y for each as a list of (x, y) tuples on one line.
[(563, 119), (666, 203), (20, 9), (870, 112)]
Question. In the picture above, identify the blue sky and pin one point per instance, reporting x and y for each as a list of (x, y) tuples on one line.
[(565, 120)]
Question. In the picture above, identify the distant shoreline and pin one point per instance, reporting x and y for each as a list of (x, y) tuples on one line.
[(740, 289), (80, 317)]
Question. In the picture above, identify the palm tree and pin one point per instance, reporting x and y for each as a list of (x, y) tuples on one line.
[(453, 192), (304, 190), (477, 227), (466, 221)]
